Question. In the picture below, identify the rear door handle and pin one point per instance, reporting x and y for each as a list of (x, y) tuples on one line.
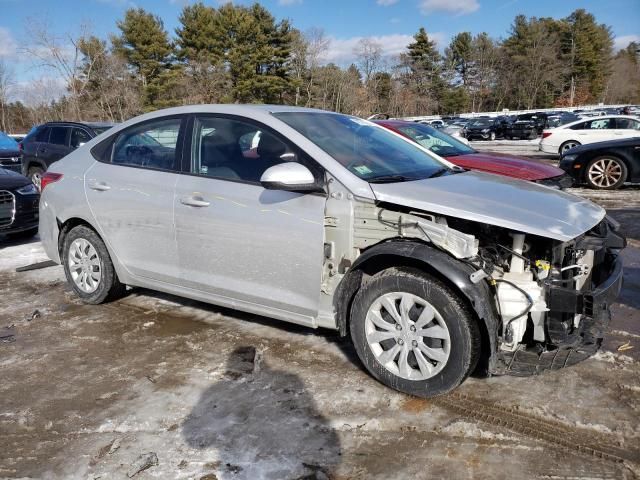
[(194, 201), (99, 186)]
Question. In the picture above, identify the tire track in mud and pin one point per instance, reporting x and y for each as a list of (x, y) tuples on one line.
[(575, 440)]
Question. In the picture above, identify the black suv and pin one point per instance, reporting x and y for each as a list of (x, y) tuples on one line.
[(485, 128), (51, 141)]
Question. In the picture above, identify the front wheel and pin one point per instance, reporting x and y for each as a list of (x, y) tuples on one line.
[(413, 333), (492, 136), (606, 173), (88, 267)]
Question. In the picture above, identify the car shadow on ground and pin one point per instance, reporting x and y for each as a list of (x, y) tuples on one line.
[(263, 423), (331, 336), (16, 240)]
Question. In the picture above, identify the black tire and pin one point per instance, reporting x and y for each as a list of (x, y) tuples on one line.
[(35, 175), (109, 287), (569, 144), (492, 136), (462, 328), (619, 170)]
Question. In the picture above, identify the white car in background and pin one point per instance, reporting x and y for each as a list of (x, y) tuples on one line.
[(612, 127)]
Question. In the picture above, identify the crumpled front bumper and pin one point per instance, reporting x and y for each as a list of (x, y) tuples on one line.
[(593, 305)]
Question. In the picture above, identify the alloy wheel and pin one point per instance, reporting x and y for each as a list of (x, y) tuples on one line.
[(407, 336), (84, 265), (605, 172)]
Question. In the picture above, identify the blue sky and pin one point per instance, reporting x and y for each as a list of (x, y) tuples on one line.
[(390, 22)]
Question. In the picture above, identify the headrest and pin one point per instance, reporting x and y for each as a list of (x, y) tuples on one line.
[(270, 146)]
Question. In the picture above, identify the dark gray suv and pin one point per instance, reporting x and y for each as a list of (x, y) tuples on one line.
[(51, 141)]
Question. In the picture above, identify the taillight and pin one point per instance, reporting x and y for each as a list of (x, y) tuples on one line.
[(49, 177), (546, 134)]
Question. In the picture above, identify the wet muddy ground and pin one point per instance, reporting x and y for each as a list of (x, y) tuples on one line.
[(95, 391)]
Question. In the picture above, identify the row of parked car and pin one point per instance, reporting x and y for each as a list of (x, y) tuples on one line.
[(526, 126)]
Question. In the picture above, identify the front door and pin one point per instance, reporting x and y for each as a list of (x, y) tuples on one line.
[(243, 245), (130, 193)]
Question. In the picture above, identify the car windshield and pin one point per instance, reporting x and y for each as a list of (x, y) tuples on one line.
[(7, 143), (367, 150), (436, 141)]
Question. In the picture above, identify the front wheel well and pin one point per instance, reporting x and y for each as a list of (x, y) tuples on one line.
[(363, 272)]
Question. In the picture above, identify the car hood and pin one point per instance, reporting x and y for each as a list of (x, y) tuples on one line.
[(506, 165), (9, 152), (480, 197), (9, 179)]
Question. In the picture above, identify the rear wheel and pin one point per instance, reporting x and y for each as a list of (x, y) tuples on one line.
[(35, 175), (607, 173), (566, 146), (88, 267), (413, 333), (492, 136)]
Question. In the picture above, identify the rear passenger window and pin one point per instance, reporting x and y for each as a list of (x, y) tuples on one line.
[(58, 136), (43, 135), (79, 137), (151, 145)]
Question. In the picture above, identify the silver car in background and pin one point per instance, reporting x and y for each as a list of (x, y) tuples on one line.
[(327, 220)]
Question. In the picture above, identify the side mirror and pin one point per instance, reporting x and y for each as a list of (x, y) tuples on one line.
[(289, 176)]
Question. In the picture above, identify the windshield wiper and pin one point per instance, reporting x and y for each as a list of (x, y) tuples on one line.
[(439, 172), (390, 179)]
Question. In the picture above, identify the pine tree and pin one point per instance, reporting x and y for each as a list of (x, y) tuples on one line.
[(425, 65), (144, 43), (587, 48), (458, 56)]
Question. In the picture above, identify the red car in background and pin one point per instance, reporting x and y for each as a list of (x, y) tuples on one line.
[(464, 156)]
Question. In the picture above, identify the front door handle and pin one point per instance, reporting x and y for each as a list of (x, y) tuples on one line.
[(99, 186), (194, 201)]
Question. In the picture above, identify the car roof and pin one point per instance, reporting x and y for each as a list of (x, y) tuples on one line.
[(83, 124), (599, 117)]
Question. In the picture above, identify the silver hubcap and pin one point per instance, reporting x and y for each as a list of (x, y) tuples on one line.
[(407, 336), (605, 172), (84, 265), (569, 146)]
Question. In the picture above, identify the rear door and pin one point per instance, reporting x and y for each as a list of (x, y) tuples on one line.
[(243, 245), (130, 191), (57, 147), (597, 130)]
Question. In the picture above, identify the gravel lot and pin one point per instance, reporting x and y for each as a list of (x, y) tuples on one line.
[(195, 391)]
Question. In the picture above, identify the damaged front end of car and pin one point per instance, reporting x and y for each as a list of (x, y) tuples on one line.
[(552, 297)]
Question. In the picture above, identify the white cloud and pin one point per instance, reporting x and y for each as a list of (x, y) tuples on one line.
[(386, 3), (621, 42), (289, 2), (7, 44), (458, 7), (340, 50)]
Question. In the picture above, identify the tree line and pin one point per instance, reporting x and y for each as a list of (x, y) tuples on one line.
[(243, 54)]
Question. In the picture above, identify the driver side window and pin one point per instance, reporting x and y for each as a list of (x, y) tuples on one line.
[(235, 150), (151, 145)]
